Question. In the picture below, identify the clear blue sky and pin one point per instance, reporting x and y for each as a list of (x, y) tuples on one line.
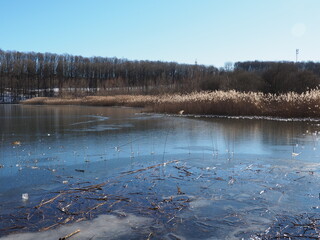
[(211, 31)]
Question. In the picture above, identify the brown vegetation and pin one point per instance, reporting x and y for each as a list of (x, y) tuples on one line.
[(230, 103), (117, 100)]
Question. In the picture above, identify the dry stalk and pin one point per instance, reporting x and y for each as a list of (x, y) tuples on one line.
[(70, 235), (49, 201), (150, 167), (95, 207)]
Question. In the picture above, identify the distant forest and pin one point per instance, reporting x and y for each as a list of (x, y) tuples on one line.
[(24, 75)]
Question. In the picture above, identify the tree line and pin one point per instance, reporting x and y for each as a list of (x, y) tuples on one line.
[(266, 77), (47, 74), (41, 74)]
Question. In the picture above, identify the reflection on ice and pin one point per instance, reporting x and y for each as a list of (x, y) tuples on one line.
[(104, 127)]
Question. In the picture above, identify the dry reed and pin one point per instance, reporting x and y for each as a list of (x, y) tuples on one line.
[(230, 103)]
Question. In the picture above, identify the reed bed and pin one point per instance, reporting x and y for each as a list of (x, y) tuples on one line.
[(117, 100), (229, 103)]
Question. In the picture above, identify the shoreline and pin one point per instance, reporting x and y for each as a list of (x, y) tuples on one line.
[(269, 118), (214, 104)]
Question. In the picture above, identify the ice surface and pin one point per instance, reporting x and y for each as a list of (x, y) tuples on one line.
[(103, 227)]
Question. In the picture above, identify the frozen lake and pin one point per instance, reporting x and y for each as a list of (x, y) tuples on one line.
[(115, 173)]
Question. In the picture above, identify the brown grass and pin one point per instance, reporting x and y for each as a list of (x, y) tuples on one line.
[(117, 100), (229, 103)]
